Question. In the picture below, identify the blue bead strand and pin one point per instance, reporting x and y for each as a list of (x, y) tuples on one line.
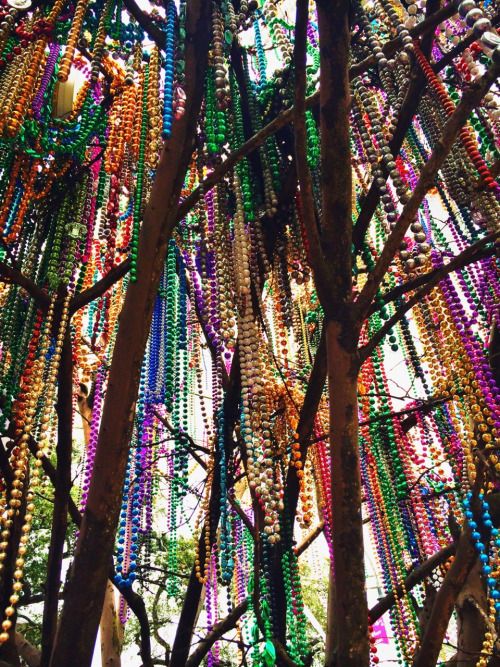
[(226, 541), (486, 555), (261, 56), (168, 91)]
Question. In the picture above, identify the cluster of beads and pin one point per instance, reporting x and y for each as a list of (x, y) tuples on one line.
[(236, 298)]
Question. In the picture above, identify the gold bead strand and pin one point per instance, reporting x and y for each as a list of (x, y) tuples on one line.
[(13, 104), (56, 10), (21, 463), (154, 111), (98, 50), (34, 60), (74, 33)]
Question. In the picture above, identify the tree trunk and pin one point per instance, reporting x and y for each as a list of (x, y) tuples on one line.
[(111, 631), (472, 612), (190, 607), (61, 495), (86, 415), (110, 625), (29, 653), (347, 630), (84, 595)]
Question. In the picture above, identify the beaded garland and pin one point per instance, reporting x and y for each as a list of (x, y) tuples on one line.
[(237, 292)]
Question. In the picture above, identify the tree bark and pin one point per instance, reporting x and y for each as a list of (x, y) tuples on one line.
[(472, 612), (29, 653), (61, 494), (347, 642), (444, 603), (336, 172), (85, 591), (219, 629), (110, 625), (111, 631), (189, 612)]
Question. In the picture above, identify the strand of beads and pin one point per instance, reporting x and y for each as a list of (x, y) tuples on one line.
[(154, 111), (171, 329), (27, 75), (99, 38), (261, 56), (138, 195), (38, 100), (465, 135), (76, 26), (94, 432), (168, 86), (221, 82), (486, 560), (130, 514), (226, 546), (277, 34)]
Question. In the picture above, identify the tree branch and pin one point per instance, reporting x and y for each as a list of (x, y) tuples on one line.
[(137, 606), (286, 117), (186, 437), (134, 601), (460, 48), (219, 629), (424, 278), (424, 407), (306, 543), (241, 513), (390, 48), (29, 653), (336, 172), (62, 490), (188, 616), (156, 35), (203, 324), (415, 577), (466, 257), (100, 287), (471, 98), (442, 608), (306, 202), (15, 277), (406, 114), (445, 601), (307, 416)]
